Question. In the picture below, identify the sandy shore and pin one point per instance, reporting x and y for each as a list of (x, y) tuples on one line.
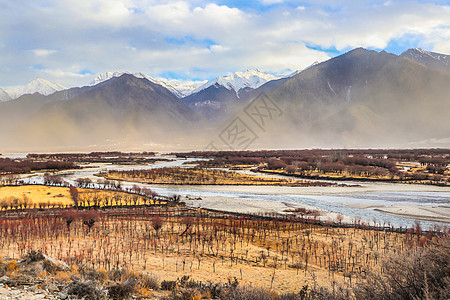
[(433, 214), (362, 188)]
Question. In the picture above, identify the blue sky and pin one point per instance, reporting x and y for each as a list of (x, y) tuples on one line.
[(70, 41)]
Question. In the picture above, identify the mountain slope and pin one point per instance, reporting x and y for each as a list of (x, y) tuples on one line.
[(125, 109), (360, 99), (179, 90), (436, 61)]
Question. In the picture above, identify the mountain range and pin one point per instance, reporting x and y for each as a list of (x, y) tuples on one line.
[(179, 90), (359, 99), (364, 99)]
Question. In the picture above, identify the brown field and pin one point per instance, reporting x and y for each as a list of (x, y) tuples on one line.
[(280, 254)]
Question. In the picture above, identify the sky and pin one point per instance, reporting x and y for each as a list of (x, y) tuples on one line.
[(71, 41)]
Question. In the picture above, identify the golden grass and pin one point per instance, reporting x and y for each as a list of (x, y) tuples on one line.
[(60, 196), (38, 194)]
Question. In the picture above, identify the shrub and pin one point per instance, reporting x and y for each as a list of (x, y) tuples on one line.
[(168, 285), (92, 274), (149, 282), (12, 266), (122, 290), (420, 273), (34, 255), (248, 293), (87, 290), (186, 294)]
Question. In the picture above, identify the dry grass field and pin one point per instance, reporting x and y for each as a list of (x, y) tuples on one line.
[(280, 254), (42, 196), (113, 231), (38, 194)]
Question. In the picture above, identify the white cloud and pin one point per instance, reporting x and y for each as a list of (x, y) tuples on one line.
[(199, 38), (270, 2), (219, 48), (43, 52), (63, 74)]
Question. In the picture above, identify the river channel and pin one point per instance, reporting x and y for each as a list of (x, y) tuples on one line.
[(344, 201)]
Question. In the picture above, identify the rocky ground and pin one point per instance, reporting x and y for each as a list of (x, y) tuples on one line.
[(30, 293), (39, 276)]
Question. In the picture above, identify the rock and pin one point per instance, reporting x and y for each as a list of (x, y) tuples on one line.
[(4, 279), (23, 279), (58, 263), (52, 288), (63, 296)]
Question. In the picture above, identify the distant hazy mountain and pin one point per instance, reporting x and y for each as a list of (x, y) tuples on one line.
[(358, 99), (179, 90), (119, 110), (38, 85), (220, 97), (4, 96), (239, 80), (433, 60), (362, 98)]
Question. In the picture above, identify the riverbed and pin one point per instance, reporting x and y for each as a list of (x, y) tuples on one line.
[(392, 204)]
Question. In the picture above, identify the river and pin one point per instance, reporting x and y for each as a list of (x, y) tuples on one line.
[(340, 200)]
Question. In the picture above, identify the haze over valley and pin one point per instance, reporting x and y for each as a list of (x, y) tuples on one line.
[(362, 98)]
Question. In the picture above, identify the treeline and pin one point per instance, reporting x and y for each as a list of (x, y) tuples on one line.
[(307, 162), (101, 157), (399, 154), (20, 166), (378, 158), (428, 165), (91, 154)]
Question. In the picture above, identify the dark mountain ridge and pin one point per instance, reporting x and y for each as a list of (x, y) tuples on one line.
[(217, 103), (364, 98), (122, 109), (433, 60)]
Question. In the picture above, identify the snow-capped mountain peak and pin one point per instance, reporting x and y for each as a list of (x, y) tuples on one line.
[(433, 60), (240, 80), (180, 90), (38, 85), (106, 76), (4, 96), (437, 56), (42, 86), (419, 53)]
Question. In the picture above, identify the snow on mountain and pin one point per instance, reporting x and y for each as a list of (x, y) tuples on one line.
[(239, 80), (38, 85), (106, 76), (185, 88), (433, 60), (4, 96), (445, 59), (180, 90)]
